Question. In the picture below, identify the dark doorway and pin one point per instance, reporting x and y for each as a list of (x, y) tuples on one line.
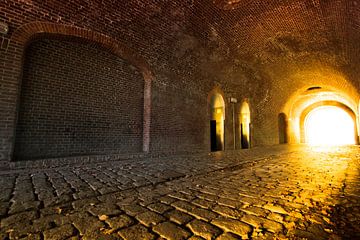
[(244, 138), (217, 127), (216, 142), (283, 126), (213, 135)]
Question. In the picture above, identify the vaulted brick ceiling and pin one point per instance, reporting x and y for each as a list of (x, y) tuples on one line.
[(252, 32), (274, 29), (267, 29), (287, 36)]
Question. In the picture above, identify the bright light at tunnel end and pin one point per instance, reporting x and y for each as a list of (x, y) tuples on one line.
[(329, 126)]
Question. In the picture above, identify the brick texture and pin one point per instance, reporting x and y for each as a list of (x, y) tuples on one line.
[(263, 51), (77, 100)]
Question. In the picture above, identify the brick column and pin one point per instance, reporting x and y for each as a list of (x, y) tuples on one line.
[(10, 71)]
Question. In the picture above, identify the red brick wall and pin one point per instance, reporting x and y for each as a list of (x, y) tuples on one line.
[(77, 99), (259, 50), (178, 120)]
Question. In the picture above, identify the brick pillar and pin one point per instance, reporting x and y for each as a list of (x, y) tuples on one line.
[(10, 71)]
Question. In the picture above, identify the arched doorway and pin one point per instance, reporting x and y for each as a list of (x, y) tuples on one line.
[(245, 125), (283, 128), (329, 125), (217, 118)]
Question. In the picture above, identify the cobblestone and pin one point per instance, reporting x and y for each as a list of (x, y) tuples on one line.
[(136, 232), (179, 217), (62, 232), (149, 218), (159, 207), (171, 231), (228, 236), (285, 192), (203, 229), (234, 226)]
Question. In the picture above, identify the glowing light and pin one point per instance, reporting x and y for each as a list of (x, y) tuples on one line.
[(329, 126)]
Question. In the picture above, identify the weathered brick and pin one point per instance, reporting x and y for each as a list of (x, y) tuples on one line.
[(136, 232), (178, 217), (119, 221), (62, 232), (232, 225), (149, 218), (171, 231), (203, 229)]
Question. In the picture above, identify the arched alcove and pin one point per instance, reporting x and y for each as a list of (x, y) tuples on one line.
[(77, 98), (245, 121), (27, 35), (217, 118)]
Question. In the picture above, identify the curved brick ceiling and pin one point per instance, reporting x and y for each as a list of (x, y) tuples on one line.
[(277, 29), (254, 35), (264, 29)]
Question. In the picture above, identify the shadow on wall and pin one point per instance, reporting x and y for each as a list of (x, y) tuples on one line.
[(283, 128)]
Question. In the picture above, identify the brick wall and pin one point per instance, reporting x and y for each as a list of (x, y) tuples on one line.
[(178, 118), (77, 99), (256, 50)]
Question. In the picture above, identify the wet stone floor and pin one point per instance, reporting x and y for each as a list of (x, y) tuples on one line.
[(282, 192)]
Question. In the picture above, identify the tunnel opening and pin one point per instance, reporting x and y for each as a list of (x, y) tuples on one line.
[(329, 126)]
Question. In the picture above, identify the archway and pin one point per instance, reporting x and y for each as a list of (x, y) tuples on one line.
[(217, 118), (245, 125), (29, 33), (61, 110), (312, 96), (327, 114), (329, 125), (283, 128)]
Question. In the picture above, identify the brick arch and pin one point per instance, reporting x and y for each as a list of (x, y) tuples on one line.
[(25, 34), (217, 137), (214, 91)]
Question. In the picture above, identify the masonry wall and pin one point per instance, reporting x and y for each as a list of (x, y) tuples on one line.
[(77, 99), (255, 50), (178, 120)]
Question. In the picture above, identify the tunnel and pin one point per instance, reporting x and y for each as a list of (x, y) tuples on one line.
[(207, 119)]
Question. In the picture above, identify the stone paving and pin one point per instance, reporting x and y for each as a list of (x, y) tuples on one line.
[(282, 192)]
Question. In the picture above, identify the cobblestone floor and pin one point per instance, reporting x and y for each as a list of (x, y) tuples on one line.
[(281, 192)]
